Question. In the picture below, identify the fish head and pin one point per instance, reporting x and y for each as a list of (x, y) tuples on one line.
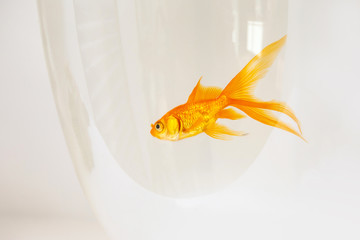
[(167, 128)]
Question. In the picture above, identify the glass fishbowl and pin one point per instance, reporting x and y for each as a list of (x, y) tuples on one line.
[(118, 66)]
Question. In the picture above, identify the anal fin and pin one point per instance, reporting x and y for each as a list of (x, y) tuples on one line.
[(229, 114), (221, 132)]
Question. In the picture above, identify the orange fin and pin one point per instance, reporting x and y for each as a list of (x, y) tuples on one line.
[(267, 118), (271, 105), (229, 114), (239, 91), (201, 93), (244, 82), (221, 132)]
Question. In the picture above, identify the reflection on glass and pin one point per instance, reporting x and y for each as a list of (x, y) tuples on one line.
[(254, 36)]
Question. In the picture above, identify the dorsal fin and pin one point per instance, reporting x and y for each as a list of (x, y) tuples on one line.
[(200, 93)]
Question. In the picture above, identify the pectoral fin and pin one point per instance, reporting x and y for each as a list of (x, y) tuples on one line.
[(221, 132)]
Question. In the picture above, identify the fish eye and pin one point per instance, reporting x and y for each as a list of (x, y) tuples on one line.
[(159, 126)]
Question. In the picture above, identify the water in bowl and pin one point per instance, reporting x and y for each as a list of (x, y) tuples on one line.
[(118, 66)]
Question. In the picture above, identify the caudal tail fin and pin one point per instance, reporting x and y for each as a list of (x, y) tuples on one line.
[(239, 91)]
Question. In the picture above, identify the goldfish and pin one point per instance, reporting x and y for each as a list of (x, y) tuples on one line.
[(206, 105)]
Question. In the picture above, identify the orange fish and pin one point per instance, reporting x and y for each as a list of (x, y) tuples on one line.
[(206, 104)]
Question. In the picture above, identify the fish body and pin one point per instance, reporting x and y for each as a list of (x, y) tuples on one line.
[(193, 118), (207, 104)]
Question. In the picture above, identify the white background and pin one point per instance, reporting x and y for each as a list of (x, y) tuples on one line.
[(39, 193), (40, 196)]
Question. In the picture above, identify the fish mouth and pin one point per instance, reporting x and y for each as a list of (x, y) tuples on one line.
[(153, 133), (152, 129)]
